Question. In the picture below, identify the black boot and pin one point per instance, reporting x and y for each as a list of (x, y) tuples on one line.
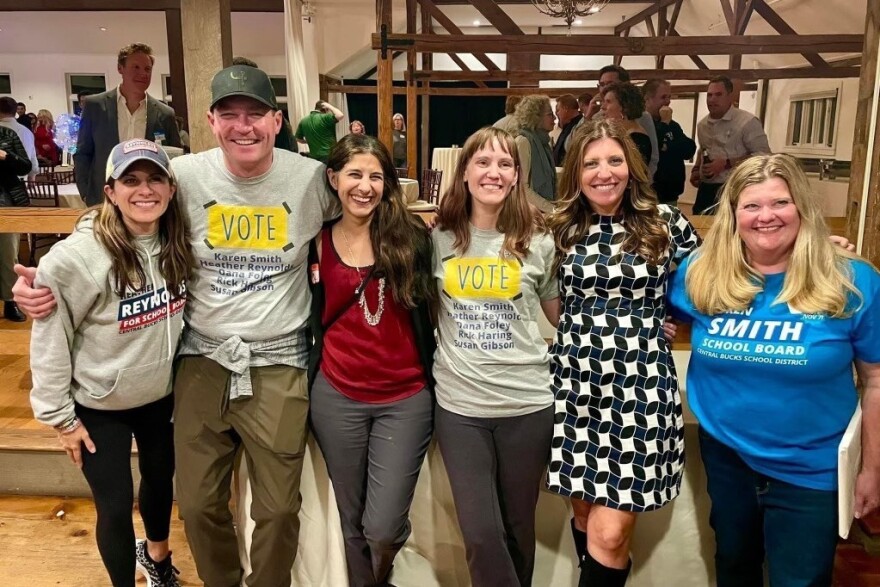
[(580, 542), (595, 574), (12, 313)]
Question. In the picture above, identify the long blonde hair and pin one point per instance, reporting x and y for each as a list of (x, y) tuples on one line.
[(46, 115), (175, 254), (516, 221), (647, 234), (818, 278)]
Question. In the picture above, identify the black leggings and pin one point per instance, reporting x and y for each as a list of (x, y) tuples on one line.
[(108, 472)]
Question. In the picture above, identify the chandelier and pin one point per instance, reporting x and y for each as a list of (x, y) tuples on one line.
[(568, 10)]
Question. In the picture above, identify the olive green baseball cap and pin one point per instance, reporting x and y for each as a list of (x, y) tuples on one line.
[(243, 80)]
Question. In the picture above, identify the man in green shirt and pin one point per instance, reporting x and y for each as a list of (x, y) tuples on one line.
[(318, 129)]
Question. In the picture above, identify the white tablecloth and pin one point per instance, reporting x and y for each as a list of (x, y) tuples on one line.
[(672, 546), (68, 196), (445, 159), (410, 188)]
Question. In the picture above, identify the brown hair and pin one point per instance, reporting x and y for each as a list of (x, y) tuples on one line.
[(567, 101), (131, 50), (510, 104), (631, 101), (646, 231), (517, 220), (175, 254), (722, 79), (401, 243)]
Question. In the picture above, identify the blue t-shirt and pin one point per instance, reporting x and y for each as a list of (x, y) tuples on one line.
[(776, 385)]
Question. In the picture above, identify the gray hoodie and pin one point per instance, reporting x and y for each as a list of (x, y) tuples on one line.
[(100, 350)]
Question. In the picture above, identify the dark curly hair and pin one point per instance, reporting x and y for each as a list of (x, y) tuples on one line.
[(630, 97)]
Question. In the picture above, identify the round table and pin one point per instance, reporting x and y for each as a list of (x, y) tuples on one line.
[(445, 159)]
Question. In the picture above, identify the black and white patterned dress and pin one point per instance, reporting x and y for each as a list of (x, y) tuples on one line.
[(618, 437)]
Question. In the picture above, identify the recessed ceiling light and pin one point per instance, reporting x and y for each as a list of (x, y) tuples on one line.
[(476, 23), (103, 28)]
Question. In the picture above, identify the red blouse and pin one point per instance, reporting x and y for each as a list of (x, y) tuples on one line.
[(43, 141), (371, 364)]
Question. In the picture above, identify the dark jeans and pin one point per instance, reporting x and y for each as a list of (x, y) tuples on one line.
[(495, 468), (707, 197), (756, 516), (108, 472), (374, 453)]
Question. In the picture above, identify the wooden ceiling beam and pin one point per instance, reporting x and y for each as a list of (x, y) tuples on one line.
[(677, 90), (742, 24), (638, 74), (497, 17), (781, 27), (645, 14), (430, 7), (695, 58), (613, 45), (729, 16), (673, 20), (521, 2)]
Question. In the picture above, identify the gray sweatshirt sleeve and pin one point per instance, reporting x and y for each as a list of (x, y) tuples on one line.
[(67, 275)]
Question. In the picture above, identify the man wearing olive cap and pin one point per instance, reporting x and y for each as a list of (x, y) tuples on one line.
[(241, 374)]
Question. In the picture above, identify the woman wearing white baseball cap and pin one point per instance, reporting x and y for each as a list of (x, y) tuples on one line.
[(101, 362)]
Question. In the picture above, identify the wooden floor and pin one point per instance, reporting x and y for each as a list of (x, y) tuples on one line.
[(49, 541)]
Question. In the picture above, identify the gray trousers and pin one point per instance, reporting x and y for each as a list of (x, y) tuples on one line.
[(495, 468), (374, 453), (8, 258)]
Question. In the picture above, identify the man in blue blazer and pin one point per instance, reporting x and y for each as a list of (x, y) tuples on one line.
[(120, 114)]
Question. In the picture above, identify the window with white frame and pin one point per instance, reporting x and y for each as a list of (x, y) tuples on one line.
[(91, 83), (279, 84), (812, 121), (5, 84)]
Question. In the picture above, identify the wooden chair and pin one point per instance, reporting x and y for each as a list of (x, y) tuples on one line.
[(60, 177), (42, 194), (46, 168), (430, 185)]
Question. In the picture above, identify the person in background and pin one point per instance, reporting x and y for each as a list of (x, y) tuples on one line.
[(14, 164), (8, 120), (318, 129), (675, 146), (618, 442), (44, 139), (567, 118), (615, 73), (494, 415), (80, 102), (102, 361), (508, 121), (727, 135), (21, 116), (356, 128), (584, 101), (534, 121), (398, 135), (772, 411), (371, 401), (118, 115), (623, 102)]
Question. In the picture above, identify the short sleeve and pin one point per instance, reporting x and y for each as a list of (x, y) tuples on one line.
[(754, 137), (328, 121), (683, 236), (866, 324), (548, 288)]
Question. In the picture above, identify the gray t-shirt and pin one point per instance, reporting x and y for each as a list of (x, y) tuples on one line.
[(250, 240), (491, 360)]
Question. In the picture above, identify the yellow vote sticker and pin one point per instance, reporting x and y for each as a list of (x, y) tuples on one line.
[(247, 227), (483, 277)]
